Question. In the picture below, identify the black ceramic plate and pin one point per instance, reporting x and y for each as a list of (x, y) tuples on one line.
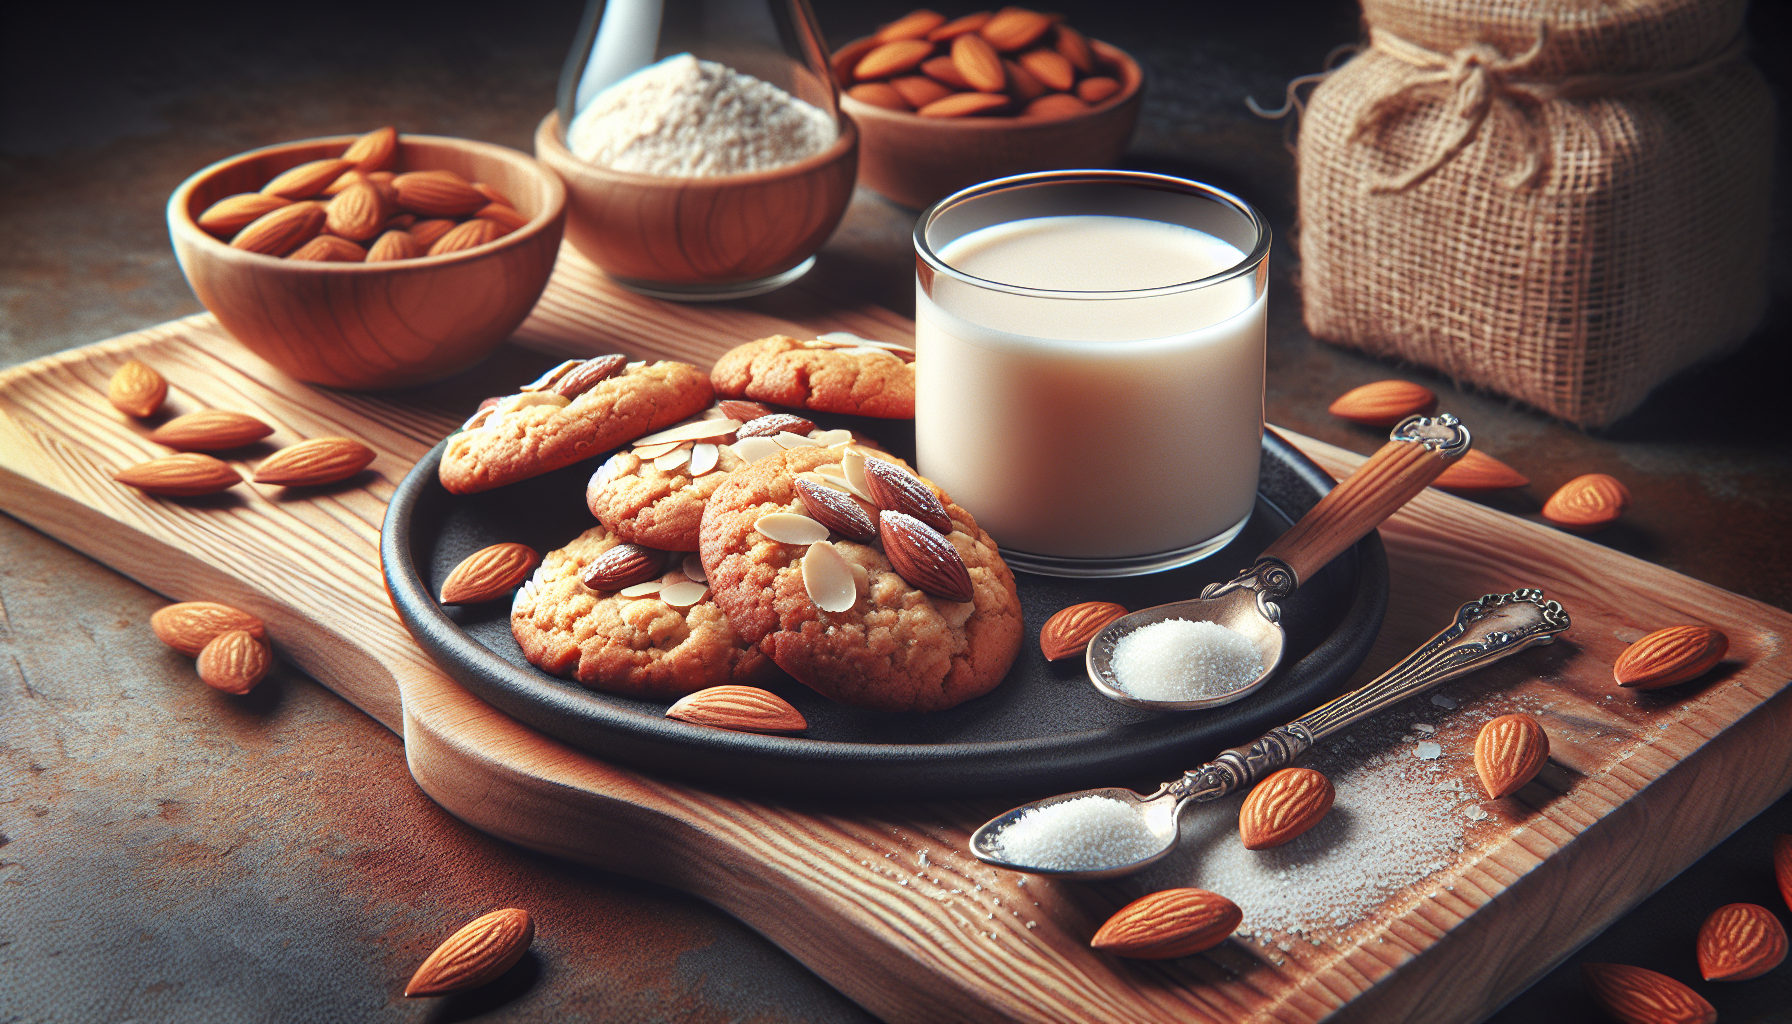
[(1044, 730)]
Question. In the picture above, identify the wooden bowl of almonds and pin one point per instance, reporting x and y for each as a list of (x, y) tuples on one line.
[(370, 262), (944, 103)]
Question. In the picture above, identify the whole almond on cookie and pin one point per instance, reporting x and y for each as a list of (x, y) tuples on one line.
[(742, 410), (1668, 656), (137, 390), (210, 430), (589, 374), (1636, 995), (741, 708), (1384, 403), (234, 662), (774, 424), (1587, 502), (489, 573), (1167, 924), (1069, 631), (281, 231), (187, 475), (624, 566), (1283, 806), (1509, 751), (1740, 941), (189, 625), (1476, 472), (312, 463), (475, 955), (894, 489), (925, 559), (836, 511)]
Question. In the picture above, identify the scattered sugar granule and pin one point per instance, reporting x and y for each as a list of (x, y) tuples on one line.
[(1477, 814), (690, 118), (1442, 701), (1181, 660), (1428, 752), (1083, 834)]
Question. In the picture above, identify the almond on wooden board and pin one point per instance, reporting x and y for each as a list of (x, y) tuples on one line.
[(489, 573), (1476, 472), (1636, 995), (280, 231), (1283, 806), (188, 626), (210, 430), (231, 214), (1668, 656), (234, 662), (1509, 751), (375, 151), (187, 475), (1740, 941), (1587, 502), (311, 463), (1169, 923), (475, 955), (1384, 403), (137, 390), (741, 708), (1069, 630)]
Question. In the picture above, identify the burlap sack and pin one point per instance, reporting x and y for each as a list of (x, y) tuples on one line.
[(1564, 201)]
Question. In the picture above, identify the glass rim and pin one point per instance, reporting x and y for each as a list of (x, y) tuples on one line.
[(1134, 179)]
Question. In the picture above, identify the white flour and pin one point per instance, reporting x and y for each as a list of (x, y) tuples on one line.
[(690, 118)]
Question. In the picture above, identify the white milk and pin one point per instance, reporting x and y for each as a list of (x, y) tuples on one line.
[(1092, 427)]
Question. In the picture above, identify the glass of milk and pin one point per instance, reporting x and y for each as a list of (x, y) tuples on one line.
[(1089, 350)]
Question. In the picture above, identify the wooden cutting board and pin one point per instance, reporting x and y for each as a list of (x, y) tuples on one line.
[(881, 900)]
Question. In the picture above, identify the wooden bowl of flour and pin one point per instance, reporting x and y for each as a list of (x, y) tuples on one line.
[(685, 234)]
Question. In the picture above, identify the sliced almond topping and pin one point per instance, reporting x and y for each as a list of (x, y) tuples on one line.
[(860, 578), (752, 449), (672, 576), (683, 595), (672, 459), (703, 458), (828, 578), (853, 463), (830, 438), (649, 452), (642, 589), (786, 439), (478, 419), (701, 430), (790, 528), (693, 568)]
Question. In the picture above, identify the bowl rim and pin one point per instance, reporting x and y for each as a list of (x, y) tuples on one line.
[(844, 146), (183, 224), (965, 124)]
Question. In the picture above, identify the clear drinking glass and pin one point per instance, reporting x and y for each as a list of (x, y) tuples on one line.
[(1090, 366)]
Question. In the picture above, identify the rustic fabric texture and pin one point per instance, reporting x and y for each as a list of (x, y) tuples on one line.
[(1560, 200)]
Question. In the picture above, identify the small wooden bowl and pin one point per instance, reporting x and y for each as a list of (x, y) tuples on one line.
[(373, 326), (696, 233), (918, 161)]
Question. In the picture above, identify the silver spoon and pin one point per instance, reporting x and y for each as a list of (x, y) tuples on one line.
[(1418, 449), (1485, 630)]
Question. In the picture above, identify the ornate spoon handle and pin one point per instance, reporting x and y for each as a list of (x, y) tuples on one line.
[(1485, 630)]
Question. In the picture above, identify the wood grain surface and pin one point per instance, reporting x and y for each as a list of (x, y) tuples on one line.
[(881, 900)]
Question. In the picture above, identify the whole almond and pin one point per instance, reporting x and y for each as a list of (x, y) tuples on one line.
[(394, 245), (489, 573), (1587, 502), (624, 566), (959, 26), (475, 955), (925, 559), (1509, 752), (1096, 89), (892, 59), (1383, 403), (1015, 28), (356, 212), (1167, 924), (344, 180), (1069, 631), (210, 430), (918, 90), (402, 222), (234, 662), (1636, 995), (942, 70), (1075, 48), (879, 94), (375, 151), (437, 194), (1021, 84), (281, 231), (741, 708), (836, 511), (1283, 806), (913, 25), (329, 249), (1477, 473), (189, 625), (1782, 867), (590, 374), (428, 232), (503, 215), (978, 63), (893, 489), (1740, 941), (231, 214), (742, 410), (467, 235), (307, 179), (1054, 105), (847, 58), (1050, 67), (321, 460), (774, 424), (1671, 655), (136, 389), (186, 475)]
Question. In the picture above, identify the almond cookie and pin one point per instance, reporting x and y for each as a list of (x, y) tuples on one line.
[(567, 417), (838, 373), (896, 645), (655, 644)]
